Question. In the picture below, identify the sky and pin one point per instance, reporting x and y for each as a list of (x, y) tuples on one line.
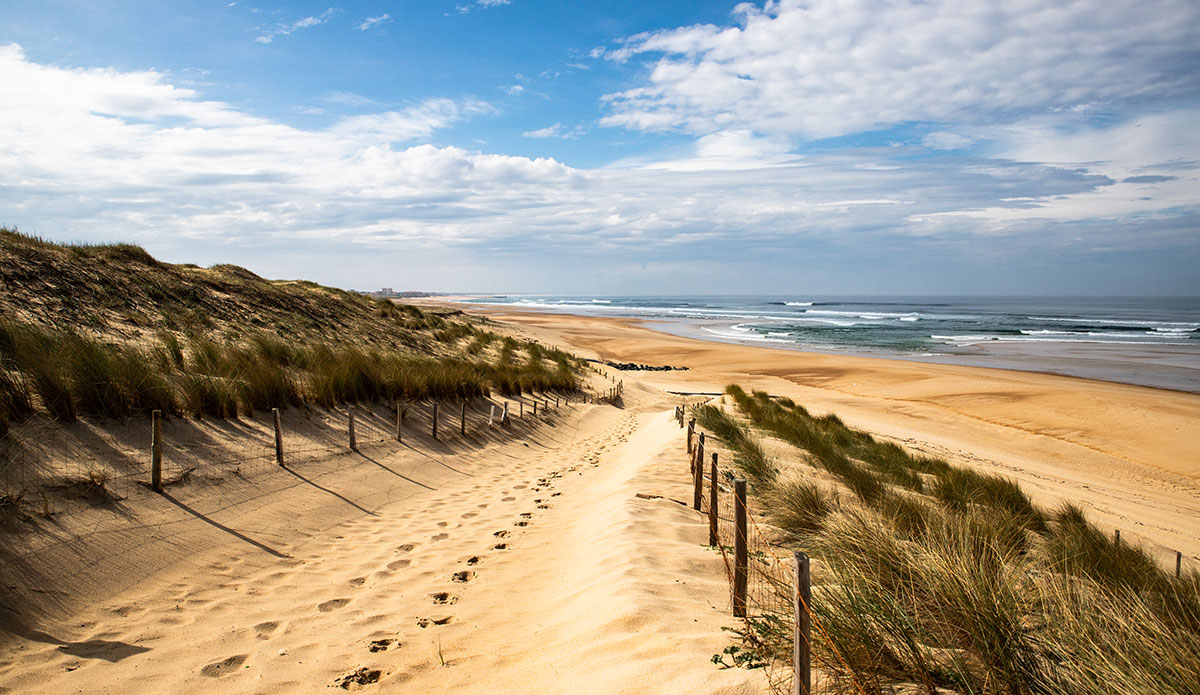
[(613, 147)]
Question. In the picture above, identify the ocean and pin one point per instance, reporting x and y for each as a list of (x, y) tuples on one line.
[(1152, 341)]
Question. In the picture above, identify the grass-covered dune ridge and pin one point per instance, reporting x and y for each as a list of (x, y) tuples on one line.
[(931, 577), (107, 331)]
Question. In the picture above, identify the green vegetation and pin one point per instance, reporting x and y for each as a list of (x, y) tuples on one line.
[(227, 342), (947, 579)]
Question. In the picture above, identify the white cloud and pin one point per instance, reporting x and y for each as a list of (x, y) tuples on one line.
[(370, 22), (943, 140), (515, 90), (822, 68), (102, 154), (481, 4), (557, 130), (289, 28)]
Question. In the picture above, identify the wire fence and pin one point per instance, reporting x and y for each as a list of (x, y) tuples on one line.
[(53, 470), (769, 591)]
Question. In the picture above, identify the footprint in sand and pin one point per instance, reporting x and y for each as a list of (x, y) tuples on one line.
[(332, 605), (500, 546), (543, 506), (440, 537), (223, 667), (508, 499), (358, 581), (407, 547), (470, 515), (473, 560), (443, 524), (556, 494), (462, 577), (501, 534), (363, 676), (442, 598), (381, 645), (526, 515), (398, 564), (521, 523), (264, 630), (426, 622)]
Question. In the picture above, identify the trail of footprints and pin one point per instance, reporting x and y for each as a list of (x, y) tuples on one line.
[(592, 448)]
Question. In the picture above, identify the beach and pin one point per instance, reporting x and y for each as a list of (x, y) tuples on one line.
[(559, 554), (1128, 453)]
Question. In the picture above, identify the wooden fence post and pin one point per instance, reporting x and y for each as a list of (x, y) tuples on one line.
[(353, 439), (156, 451), (492, 416), (740, 554), (435, 419), (691, 429), (534, 406), (399, 422), (1178, 563), (462, 419), (521, 409), (713, 516), (698, 484), (801, 655), (278, 437), (698, 459), (1117, 536), (504, 416)]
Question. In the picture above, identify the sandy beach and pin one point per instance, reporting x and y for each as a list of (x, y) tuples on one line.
[(554, 560)]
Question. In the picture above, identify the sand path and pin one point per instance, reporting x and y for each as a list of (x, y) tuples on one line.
[(537, 570)]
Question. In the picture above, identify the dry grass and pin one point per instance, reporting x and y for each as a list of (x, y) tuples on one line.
[(959, 583)]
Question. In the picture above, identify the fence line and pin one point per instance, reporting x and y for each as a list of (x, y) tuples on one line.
[(52, 470)]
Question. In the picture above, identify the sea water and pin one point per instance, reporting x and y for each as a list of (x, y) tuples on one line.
[(1148, 340)]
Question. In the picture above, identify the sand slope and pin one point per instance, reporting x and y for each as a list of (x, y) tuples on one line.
[(530, 567)]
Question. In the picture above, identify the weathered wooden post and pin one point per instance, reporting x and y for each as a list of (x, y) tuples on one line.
[(504, 416), (435, 419), (1178, 563), (399, 422), (801, 653), (740, 553), (698, 460), (462, 419), (492, 416), (353, 439), (713, 516), (1117, 536), (698, 484), (521, 409), (690, 430), (278, 437), (534, 406), (156, 451)]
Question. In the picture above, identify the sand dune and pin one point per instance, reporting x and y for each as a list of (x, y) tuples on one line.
[(532, 564)]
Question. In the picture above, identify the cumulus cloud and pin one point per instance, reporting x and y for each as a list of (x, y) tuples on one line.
[(824, 68), (106, 154)]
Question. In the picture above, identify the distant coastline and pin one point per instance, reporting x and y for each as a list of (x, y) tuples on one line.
[(1152, 342)]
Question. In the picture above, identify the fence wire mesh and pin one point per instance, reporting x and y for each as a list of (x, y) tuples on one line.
[(53, 470), (769, 625)]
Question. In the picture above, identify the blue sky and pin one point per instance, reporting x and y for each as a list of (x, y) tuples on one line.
[(829, 146)]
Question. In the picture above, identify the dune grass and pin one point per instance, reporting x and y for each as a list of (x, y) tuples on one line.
[(961, 584), (67, 375)]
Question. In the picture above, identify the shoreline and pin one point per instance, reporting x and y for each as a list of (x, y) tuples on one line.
[(1166, 367), (1127, 452)]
